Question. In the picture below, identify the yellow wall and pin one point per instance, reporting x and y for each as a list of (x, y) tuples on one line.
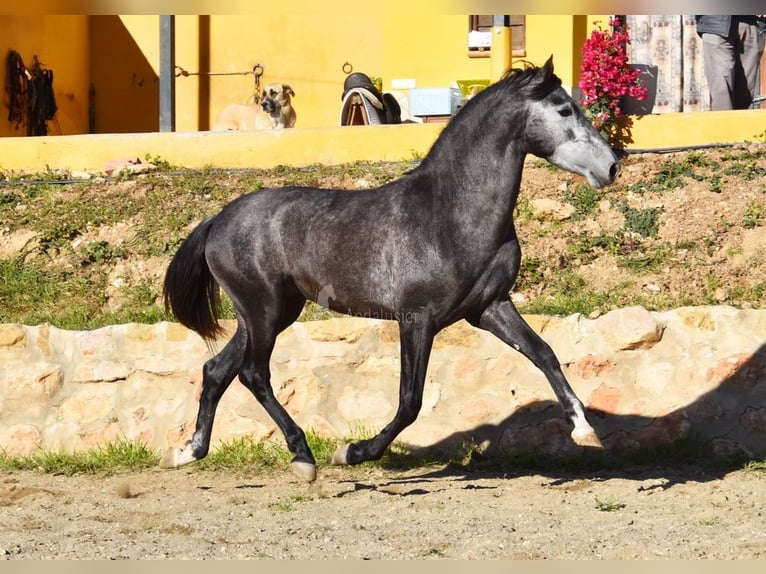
[(61, 44), (124, 60), (308, 52), (119, 57)]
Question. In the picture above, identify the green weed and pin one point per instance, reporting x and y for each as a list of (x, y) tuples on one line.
[(122, 455), (432, 552), (288, 504), (586, 248), (608, 505), (753, 215), (650, 260), (584, 199), (645, 222)]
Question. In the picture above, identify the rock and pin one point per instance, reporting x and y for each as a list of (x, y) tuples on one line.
[(550, 208), (630, 328), (12, 335), (17, 242), (117, 165)]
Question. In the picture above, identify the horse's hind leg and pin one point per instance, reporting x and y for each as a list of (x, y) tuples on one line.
[(217, 375), (416, 341), (256, 376), (503, 320)]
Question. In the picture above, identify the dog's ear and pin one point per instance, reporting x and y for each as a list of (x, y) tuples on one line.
[(287, 90)]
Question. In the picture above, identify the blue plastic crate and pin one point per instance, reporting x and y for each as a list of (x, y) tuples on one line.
[(434, 101)]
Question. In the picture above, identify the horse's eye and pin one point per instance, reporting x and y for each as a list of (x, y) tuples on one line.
[(565, 112)]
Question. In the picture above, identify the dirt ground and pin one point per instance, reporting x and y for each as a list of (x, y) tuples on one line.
[(431, 513)]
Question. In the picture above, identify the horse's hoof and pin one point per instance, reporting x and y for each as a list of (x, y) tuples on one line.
[(170, 457), (340, 456), (586, 438), (304, 470), (175, 457)]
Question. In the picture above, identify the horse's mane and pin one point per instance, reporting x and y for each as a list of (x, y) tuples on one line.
[(515, 83), (517, 79)]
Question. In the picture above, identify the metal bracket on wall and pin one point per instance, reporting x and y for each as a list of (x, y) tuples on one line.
[(257, 72)]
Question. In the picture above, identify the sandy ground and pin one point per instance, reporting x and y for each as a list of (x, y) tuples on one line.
[(426, 513)]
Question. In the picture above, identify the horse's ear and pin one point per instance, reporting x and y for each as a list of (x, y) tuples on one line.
[(544, 74), (548, 66)]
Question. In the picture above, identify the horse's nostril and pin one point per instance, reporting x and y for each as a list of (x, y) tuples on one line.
[(614, 171)]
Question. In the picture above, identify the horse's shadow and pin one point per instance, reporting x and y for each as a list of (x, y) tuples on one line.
[(705, 440)]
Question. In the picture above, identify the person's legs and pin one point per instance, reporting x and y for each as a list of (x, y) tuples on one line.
[(720, 60), (750, 48)]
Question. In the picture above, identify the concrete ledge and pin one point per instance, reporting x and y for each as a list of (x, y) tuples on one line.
[(697, 128), (256, 149), (333, 145)]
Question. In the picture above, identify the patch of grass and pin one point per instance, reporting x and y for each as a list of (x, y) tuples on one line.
[(523, 211), (747, 170), (712, 521), (716, 184), (756, 466), (247, 454), (584, 199), (158, 161), (570, 294), (244, 453), (288, 504), (315, 312), (672, 173), (645, 222), (608, 505), (530, 273), (587, 248), (32, 294), (650, 260), (100, 252), (111, 458), (432, 552), (754, 215)]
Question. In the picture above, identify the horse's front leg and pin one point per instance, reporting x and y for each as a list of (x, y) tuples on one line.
[(416, 339), (503, 320)]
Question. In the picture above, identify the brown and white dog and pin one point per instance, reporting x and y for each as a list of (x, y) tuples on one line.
[(274, 112)]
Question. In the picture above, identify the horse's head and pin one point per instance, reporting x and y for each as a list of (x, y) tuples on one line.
[(557, 130)]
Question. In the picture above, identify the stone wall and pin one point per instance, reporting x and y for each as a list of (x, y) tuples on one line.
[(646, 377)]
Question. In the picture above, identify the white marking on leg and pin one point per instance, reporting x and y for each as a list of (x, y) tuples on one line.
[(583, 434), (340, 455), (304, 470), (175, 457)]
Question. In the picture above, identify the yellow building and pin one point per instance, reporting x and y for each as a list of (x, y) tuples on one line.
[(119, 57), (106, 78)]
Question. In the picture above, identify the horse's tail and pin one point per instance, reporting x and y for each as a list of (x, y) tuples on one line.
[(190, 291)]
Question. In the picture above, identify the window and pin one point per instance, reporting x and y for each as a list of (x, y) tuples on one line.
[(480, 34)]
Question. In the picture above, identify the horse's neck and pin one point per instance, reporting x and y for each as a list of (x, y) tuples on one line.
[(479, 187)]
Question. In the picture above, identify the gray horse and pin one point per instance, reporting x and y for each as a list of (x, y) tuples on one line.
[(433, 247)]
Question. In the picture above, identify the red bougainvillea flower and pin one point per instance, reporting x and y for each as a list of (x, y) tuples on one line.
[(606, 77)]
